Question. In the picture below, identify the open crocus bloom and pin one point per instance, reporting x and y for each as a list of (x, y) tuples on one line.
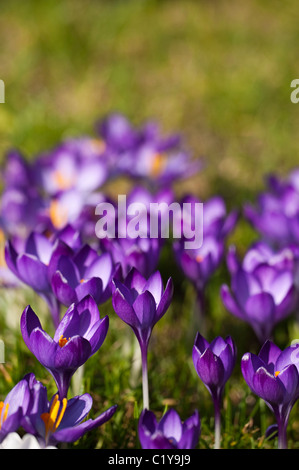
[(170, 432), (63, 420), (78, 336)]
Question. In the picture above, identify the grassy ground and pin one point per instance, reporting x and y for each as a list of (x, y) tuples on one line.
[(219, 72)]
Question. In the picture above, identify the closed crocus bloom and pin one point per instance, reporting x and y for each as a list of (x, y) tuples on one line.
[(78, 336), (140, 303), (274, 377), (263, 288), (214, 364), (170, 432)]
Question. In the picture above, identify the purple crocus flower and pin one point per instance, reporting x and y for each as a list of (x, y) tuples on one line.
[(263, 287), (141, 303), (275, 215), (214, 364), (28, 260), (16, 406), (170, 432), (78, 336), (144, 154), (62, 420), (199, 264), (59, 420), (75, 164), (76, 273), (273, 376)]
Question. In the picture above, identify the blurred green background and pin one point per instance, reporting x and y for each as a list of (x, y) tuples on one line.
[(218, 72)]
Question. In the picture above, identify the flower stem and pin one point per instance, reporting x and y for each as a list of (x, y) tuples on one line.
[(217, 416), (144, 377), (282, 435)]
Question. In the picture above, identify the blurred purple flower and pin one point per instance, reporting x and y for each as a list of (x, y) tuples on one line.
[(198, 265), (263, 287), (276, 215), (170, 432), (78, 336), (143, 154), (75, 164), (29, 260), (274, 377)]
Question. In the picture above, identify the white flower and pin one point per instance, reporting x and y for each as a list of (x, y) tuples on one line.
[(28, 441)]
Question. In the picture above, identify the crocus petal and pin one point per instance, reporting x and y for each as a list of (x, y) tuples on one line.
[(33, 272), (170, 425), (62, 290), (260, 309), (123, 309), (230, 304), (269, 354), (267, 387), (210, 370), (165, 300), (145, 309), (72, 434), (73, 354), (93, 287), (250, 363), (155, 286), (289, 378)]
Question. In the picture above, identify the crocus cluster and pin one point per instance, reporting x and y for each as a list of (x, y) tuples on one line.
[(49, 244)]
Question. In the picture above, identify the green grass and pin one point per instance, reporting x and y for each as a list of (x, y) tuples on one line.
[(219, 72)]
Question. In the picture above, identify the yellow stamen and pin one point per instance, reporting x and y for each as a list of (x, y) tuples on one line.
[(4, 413), (98, 145), (62, 341), (2, 248), (52, 419), (277, 373), (58, 214), (158, 163), (63, 182), (81, 281)]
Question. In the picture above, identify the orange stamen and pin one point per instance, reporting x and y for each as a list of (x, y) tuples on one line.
[(277, 373), (2, 248), (199, 258), (62, 181), (52, 419), (157, 164), (58, 214), (62, 341), (4, 413)]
